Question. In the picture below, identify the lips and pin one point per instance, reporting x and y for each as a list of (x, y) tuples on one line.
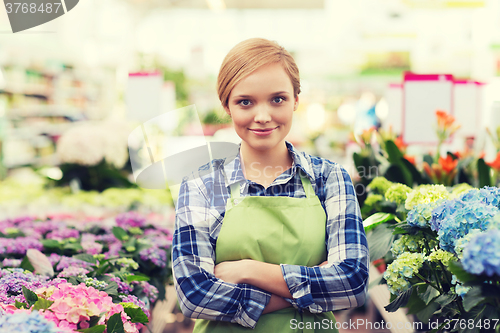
[(264, 131)]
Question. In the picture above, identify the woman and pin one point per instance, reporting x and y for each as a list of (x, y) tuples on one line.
[(273, 240)]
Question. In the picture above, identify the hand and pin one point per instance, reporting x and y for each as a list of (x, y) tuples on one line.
[(232, 271), (324, 263)]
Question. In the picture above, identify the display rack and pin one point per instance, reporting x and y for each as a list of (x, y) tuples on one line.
[(39, 105)]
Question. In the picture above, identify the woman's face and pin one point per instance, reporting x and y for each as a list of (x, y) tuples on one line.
[(261, 106)]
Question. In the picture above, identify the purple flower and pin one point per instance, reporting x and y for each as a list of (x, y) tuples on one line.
[(62, 234), (154, 254), (54, 258), (13, 280), (67, 262), (134, 300), (73, 271), (130, 220), (11, 262), (19, 245), (148, 289), (123, 287)]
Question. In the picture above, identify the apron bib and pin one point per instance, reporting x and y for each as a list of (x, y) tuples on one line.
[(276, 230)]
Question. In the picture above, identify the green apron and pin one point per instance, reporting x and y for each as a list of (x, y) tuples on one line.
[(277, 230)]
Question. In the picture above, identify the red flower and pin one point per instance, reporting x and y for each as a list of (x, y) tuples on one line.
[(410, 159), (496, 163), (448, 164), (400, 144)]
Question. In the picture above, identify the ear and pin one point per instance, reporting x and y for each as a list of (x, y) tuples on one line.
[(227, 111), (296, 103)]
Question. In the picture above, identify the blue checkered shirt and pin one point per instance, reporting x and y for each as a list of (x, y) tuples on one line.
[(200, 212)]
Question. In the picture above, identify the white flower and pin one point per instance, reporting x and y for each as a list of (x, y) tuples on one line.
[(89, 143)]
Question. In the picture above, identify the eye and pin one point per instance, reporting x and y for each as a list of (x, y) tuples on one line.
[(279, 100), (244, 102)]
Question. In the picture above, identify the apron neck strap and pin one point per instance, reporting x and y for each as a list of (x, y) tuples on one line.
[(306, 184), (235, 190)]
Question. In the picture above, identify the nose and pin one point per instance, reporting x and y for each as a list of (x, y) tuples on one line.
[(262, 114)]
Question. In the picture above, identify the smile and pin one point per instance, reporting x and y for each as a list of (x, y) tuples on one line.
[(263, 132)]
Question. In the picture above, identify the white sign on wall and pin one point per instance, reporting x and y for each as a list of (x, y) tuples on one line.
[(423, 95)]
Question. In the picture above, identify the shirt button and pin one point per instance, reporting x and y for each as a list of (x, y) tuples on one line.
[(236, 201)]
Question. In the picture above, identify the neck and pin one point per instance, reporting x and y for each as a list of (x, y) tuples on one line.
[(275, 160)]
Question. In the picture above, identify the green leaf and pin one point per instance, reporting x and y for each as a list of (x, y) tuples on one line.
[(42, 304), (30, 296), (445, 299), (21, 305), (94, 320), (429, 295), (50, 243), (396, 158), (25, 264), (137, 315), (115, 324), (484, 173), (395, 155), (380, 240), (111, 288), (131, 278), (73, 246), (94, 329), (417, 177), (400, 301), (426, 314), (406, 229), (120, 233), (85, 257), (462, 275), (376, 219), (473, 297), (415, 303)]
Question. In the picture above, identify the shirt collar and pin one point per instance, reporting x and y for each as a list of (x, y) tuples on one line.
[(234, 172)]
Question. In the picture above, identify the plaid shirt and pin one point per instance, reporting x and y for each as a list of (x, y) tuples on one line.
[(199, 216)]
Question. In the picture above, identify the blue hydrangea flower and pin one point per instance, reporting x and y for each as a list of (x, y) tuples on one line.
[(421, 213), (461, 290), (22, 322), (454, 219), (487, 195), (482, 254)]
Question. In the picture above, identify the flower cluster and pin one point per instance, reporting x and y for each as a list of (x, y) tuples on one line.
[(456, 218), (372, 199), (380, 185), (482, 254), (401, 270), (11, 283), (74, 305), (28, 322), (130, 220), (19, 245), (397, 193), (441, 256), (406, 243), (422, 213), (426, 194)]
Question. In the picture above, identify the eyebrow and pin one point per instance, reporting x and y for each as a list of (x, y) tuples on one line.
[(275, 93)]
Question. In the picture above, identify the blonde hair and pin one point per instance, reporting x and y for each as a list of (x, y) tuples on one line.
[(247, 57)]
